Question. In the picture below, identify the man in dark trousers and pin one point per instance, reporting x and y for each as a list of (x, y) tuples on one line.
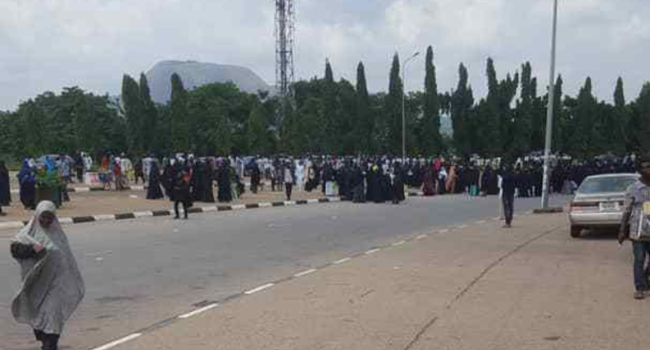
[(508, 184)]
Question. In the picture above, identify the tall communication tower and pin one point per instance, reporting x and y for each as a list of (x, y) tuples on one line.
[(285, 18)]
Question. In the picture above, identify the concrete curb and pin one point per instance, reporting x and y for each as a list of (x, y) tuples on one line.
[(126, 188), (195, 210)]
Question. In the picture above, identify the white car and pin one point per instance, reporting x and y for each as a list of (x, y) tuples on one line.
[(599, 202)]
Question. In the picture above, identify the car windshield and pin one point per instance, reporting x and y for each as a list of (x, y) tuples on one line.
[(606, 185)]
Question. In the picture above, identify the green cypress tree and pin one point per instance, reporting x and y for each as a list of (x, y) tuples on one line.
[(179, 116), (620, 120), (394, 108), (522, 132), (560, 122), (585, 114), (333, 135), (365, 122), (490, 121), (461, 104), (641, 121), (150, 116), (430, 138), (133, 110)]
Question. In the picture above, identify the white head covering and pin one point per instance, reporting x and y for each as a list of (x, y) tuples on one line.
[(52, 286)]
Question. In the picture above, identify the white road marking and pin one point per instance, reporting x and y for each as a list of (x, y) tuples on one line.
[(287, 203), (143, 214), (119, 342), (462, 227), (305, 273), (259, 289), (444, 230), (100, 253), (342, 261), (372, 251), (104, 217), (312, 201), (397, 244), (421, 237), (198, 311)]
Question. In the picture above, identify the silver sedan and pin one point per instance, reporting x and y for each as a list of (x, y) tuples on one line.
[(599, 202)]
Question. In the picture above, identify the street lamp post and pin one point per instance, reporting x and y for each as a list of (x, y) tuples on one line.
[(549, 113), (403, 106)]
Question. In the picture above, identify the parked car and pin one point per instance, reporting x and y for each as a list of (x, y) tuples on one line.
[(599, 202)]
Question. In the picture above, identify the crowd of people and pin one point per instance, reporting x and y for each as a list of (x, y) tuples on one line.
[(185, 179)]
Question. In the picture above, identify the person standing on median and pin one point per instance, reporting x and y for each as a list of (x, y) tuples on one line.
[(5, 191), (508, 194), (52, 286), (635, 225)]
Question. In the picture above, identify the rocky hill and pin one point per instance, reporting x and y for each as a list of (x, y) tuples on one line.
[(196, 74)]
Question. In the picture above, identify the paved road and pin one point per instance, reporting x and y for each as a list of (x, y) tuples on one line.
[(141, 272)]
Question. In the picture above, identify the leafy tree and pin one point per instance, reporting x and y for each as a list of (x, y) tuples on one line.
[(134, 112), (365, 121), (393, 110), (430, 138), (179, 116), (641, 120), (149, 116), (522, 128), (257, 131), (461, 103)]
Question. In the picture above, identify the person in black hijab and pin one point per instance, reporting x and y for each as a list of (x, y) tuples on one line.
[(154, 191), (168, 180), (208, 182), (5, 192), (225, 190), (196, 182), (181, 192), (358, 188), (256, 177), (398, 184)]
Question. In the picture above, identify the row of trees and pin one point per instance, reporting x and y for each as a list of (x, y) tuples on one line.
[(332, 117)]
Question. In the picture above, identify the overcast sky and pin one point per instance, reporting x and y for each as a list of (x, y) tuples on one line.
[(50, 44)]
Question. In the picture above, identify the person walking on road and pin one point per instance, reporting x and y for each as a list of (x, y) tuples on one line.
[(635, 225), (181, 192), (52, 286), (508, 194), (289, 178)]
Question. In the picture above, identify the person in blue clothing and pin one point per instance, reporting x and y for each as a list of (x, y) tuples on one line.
[(27, 182), (508, 184)]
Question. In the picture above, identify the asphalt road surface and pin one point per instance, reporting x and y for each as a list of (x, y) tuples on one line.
[(140, 272)]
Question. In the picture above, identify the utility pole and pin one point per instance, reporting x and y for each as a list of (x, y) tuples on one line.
[(549, 113), (403, 106)]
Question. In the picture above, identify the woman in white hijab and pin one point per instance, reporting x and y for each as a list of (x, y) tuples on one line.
[(52, 286)]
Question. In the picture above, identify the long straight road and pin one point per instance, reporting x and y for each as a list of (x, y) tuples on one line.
[(141, 272)]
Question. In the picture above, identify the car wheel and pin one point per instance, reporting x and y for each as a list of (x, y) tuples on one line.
[(576, 231)]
